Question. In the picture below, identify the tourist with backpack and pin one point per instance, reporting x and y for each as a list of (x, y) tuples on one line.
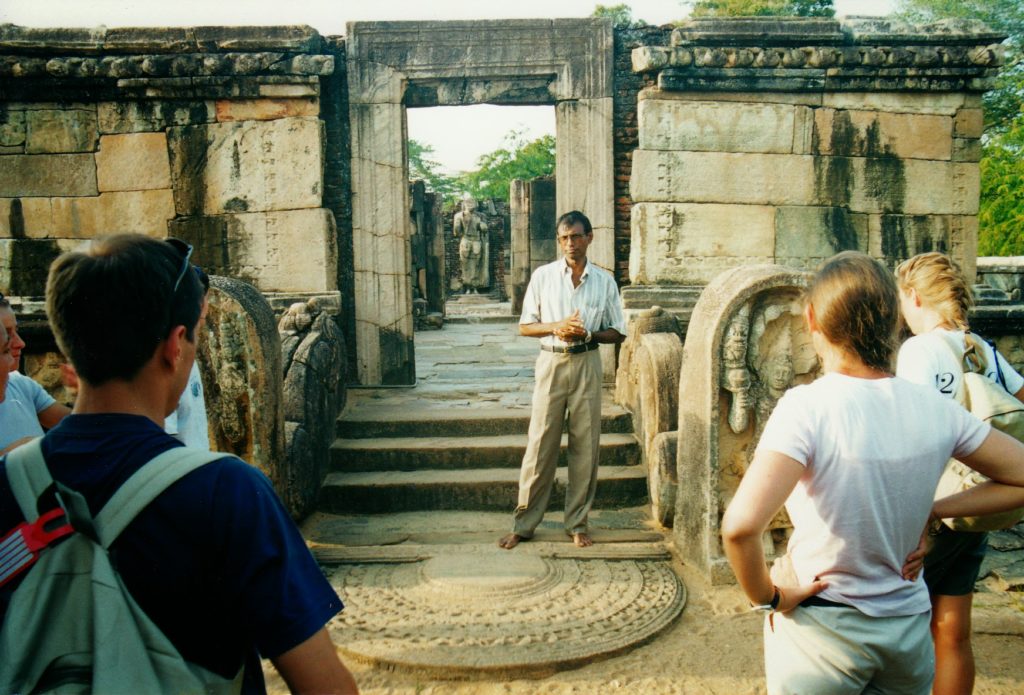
[(133, 564), (856, 456), (934, 300)]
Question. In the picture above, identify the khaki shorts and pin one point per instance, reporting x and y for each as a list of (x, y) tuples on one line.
[(825, 649)]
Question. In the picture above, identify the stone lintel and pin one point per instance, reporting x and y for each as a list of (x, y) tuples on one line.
[(115, 41), (784, 31)]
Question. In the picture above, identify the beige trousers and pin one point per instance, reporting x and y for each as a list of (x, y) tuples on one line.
[(568, 389)]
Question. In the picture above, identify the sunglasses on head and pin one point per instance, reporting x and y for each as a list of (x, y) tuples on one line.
[(185, 250)]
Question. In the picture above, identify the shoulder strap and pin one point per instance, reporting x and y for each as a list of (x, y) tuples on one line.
[(28, 476), (145, 485)]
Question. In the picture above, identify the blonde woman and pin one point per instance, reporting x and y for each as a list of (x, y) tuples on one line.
[(856, 456), (935, 299)]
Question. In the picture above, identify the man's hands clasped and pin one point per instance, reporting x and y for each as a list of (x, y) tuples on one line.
[(570, 329)]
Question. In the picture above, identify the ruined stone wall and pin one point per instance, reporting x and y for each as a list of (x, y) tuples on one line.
[(628, 85), (209, 134), (786, 141)]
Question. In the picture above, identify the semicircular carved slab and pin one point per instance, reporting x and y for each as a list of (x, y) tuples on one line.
[(487, 613)]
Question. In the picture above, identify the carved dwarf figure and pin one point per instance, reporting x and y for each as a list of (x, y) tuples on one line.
[(735, 376), (473, 251)]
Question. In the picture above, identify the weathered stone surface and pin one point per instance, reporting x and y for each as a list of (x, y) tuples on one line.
[(265, 109), (721, 177), (941, 103), (969, 123), (313, 396), (896, 238), (964, 244), (909, 186), (662, 478), (709, 126), (133, 162), (690, 244), (289, 91), (12, 127), (291, 251), (142, 212), (151, 116), (47, 175), (627, 379), (503, 614), (247, 167), (72, 130), (745, 320), (240, 361), (877, 133), (23, 266), (966, 150), (804, 236)]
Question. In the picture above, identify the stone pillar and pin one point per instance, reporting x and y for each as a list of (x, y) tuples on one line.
[(519, 214)]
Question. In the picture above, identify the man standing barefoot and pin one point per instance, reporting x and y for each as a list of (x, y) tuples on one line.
[(571, 305)]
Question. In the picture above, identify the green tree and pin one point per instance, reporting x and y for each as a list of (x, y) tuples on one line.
[(1001, 213), (517, 158), (423, 166), (762, 8), (621, 15)]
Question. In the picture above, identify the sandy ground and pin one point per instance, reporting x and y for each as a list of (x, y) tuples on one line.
[(714, 648)]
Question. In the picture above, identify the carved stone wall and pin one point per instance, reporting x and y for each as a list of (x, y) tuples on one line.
[(745, 346), (788, 140), (210, 134)]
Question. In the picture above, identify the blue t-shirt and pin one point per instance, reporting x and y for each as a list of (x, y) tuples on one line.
[(19, 411), (215, 561)]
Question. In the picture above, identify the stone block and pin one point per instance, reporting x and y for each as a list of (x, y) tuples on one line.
[(895, 238), (240, 360), (963, 244), (250, 166), (47, 175), (969, 123), (265, 109), (939, 103), (72, 130), (24, 264), (717, 177), (690, 244), (151, 116), (289, 91), (141, 212), (288, 251), (804, 236), (877, 134), (12, 128), (133, 162), (966, 150), (889, 184), (710, 126)]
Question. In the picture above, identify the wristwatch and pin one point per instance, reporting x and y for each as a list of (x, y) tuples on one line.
[(768, 607)]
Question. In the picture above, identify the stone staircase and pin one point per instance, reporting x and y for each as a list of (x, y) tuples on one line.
[(387, 459)]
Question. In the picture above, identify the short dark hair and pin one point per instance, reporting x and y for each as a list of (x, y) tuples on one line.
[(111, 305), (573, 218), (856, 306)]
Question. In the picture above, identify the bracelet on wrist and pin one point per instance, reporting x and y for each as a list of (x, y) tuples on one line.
[(772, 605)]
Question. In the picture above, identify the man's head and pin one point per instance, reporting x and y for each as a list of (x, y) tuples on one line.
[(574, 233), (112, 306), (10, 324)]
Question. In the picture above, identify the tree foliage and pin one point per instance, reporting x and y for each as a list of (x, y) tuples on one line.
[(621, 15), (762, 8), (517, 158), (423, 166), (1001, 215)]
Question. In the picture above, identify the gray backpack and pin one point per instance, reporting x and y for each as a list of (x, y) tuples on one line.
[(72, 626)]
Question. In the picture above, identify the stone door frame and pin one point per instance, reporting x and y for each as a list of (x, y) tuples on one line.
[(392, 65)]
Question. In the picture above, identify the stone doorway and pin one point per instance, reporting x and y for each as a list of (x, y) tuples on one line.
[(394, 65)]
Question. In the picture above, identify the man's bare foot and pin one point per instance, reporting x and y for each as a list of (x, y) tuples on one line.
[(582, 540), (510, 541)]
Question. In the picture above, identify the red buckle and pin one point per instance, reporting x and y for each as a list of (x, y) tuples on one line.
[(20, 548)]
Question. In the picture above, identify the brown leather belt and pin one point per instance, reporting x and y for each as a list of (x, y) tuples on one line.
[(571, 349)]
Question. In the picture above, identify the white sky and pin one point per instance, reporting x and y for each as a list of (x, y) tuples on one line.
[(458, 134)]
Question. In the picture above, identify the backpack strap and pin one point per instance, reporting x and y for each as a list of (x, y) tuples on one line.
[(28, 476), (145, 485)]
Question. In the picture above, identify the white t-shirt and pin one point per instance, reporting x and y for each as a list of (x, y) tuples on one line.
[(873, 450), (927, 359), (19, 411), (188, 422)]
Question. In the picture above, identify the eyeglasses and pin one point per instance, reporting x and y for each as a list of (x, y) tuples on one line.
[(186, 251), (570, 237)]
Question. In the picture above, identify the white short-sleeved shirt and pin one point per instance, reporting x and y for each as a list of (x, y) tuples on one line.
[(551, 297), (19, 411), (188, 422), (928, 359), (873, 450)]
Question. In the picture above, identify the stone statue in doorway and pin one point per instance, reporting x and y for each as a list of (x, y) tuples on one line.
[(471, 230)]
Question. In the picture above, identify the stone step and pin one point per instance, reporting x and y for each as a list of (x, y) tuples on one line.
[(460, 452), (368, 422), (490, 489)]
